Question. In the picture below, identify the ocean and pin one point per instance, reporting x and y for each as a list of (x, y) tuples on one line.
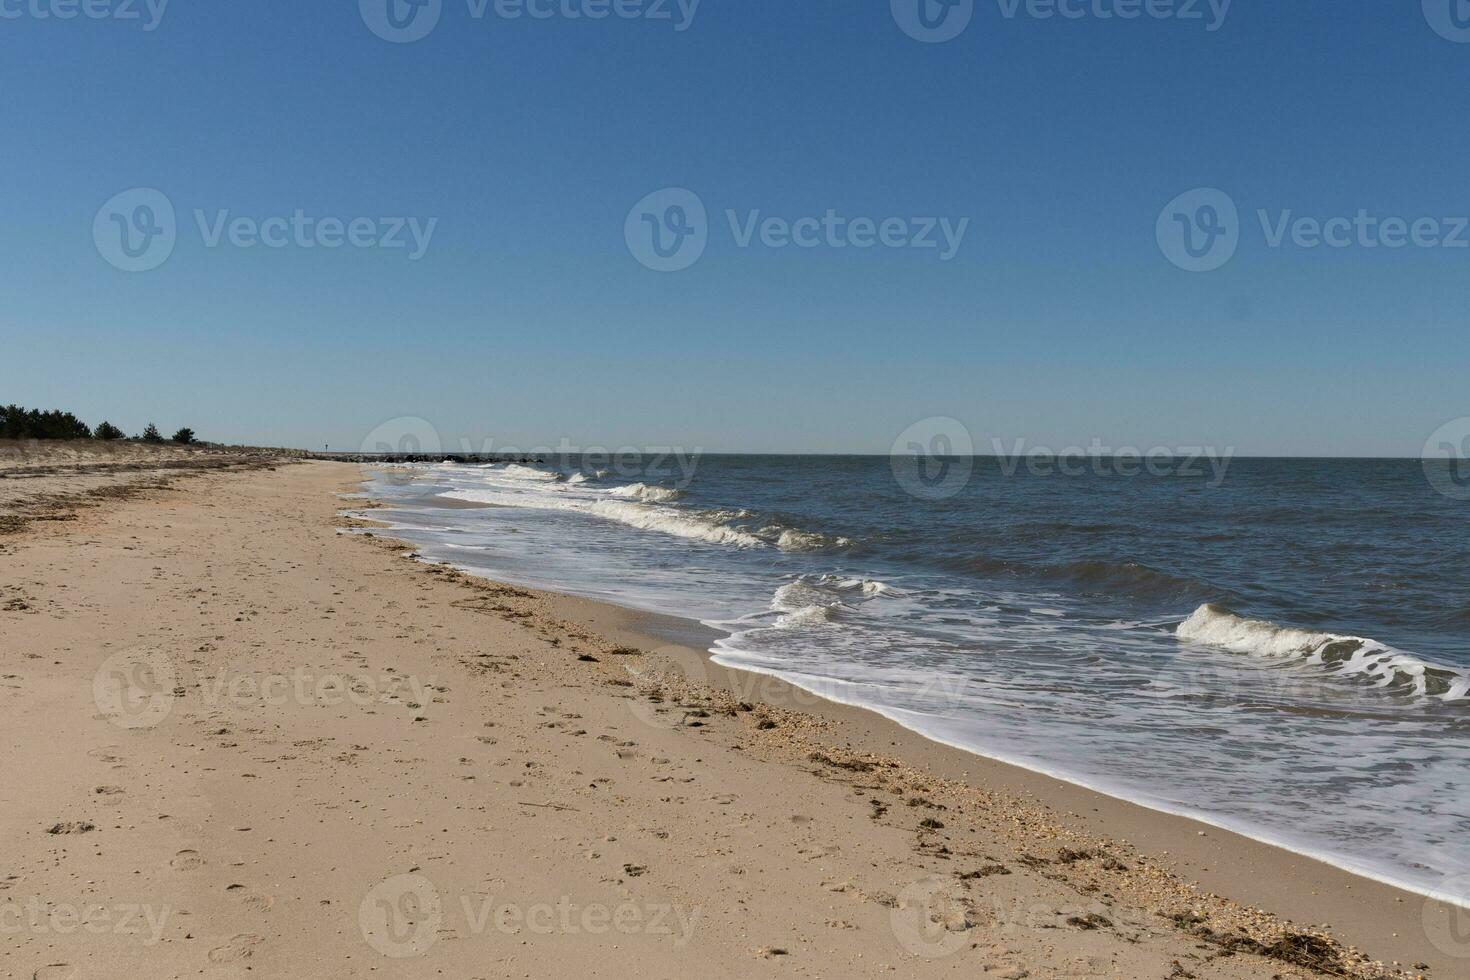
[(1276, 647)]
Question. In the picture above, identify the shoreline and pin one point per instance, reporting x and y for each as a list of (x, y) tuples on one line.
[(1258, 835), (457, 746), (1311, 873), (683, 630)]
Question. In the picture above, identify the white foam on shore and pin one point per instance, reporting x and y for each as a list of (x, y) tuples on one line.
[(638, 505), (932, 727), (824, 619), (821, 600)]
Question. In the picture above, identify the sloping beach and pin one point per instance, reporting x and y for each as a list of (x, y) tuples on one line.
[(248, 736)]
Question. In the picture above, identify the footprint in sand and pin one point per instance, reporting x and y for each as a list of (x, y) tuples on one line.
[(240, 947), (258, 903), (186, 861), (55, 971)]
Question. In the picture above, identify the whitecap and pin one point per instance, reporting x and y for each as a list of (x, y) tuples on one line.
[(1354, 656)]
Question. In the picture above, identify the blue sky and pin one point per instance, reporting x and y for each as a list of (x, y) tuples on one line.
[(527, 320)]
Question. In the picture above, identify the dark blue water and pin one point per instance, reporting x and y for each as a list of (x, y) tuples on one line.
[(1277, 646)]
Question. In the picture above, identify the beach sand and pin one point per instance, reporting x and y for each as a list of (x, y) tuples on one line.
[(244, 736)]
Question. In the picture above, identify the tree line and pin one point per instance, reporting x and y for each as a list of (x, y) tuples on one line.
[(22, 423)]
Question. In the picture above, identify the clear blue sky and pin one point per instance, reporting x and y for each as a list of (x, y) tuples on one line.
[(527, 320)]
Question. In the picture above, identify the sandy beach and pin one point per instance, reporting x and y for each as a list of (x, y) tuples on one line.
[(246, 735)]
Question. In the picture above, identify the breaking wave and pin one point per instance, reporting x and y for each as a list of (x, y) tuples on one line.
[(816, 600), (645, 492), (1351, 656), (791, 539), (698, 525)]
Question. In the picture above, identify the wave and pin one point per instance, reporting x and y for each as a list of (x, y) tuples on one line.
[(645, 492), (809, 616), (808, 590), (697, 525), (1130, 576), (817, 600), (530, 473), (1354, 656), (792, 539), (644, 506)]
